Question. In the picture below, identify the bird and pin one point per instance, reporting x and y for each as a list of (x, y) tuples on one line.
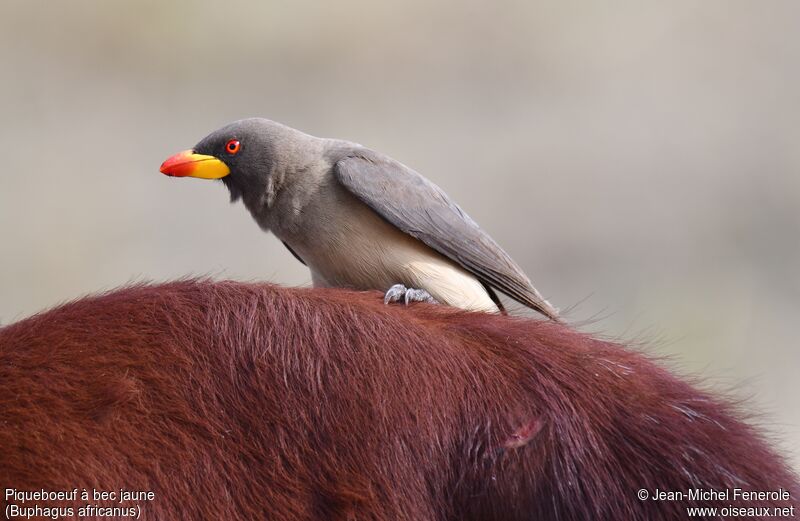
[(357, 218)]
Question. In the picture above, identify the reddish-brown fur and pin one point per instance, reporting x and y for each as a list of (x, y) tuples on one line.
[(250, 401)]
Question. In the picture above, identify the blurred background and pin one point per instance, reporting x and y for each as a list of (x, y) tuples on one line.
[(639, 160)]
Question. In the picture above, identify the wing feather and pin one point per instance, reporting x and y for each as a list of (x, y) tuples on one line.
[(421, 209)]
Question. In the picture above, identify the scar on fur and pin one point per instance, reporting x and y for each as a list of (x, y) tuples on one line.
[(523, 435)]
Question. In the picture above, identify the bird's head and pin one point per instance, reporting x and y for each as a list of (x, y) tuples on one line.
[(240, 154)]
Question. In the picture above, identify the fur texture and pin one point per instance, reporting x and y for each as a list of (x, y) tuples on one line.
[(250, 401)]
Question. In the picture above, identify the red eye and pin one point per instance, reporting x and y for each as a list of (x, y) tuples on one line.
[(232, 146)]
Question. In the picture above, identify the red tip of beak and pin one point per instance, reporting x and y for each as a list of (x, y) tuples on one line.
[(180, 165)]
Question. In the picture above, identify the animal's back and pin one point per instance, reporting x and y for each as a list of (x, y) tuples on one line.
[(243, 401)]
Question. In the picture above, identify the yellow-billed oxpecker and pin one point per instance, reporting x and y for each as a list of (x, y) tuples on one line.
[(357, 218)]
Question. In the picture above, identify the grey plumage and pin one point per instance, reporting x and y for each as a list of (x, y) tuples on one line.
[(360, 219), (421, 209)]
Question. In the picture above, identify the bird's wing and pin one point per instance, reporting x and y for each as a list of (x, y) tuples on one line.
[(421, 209)]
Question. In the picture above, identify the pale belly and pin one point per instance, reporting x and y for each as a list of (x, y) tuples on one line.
[(367, 253)]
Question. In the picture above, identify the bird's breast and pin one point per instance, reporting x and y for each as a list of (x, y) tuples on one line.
[(351, 246)]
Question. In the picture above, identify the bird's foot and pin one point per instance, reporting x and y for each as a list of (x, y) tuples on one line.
[(398, 291)]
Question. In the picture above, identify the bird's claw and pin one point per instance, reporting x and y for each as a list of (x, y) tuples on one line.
[(418, 295), (394, 294), (409, 295)]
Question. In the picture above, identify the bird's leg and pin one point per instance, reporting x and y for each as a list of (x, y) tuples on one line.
[(418, 295), (394, 294), (408, 295)]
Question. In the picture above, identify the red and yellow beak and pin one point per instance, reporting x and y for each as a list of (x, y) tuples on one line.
[(189, 164)]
